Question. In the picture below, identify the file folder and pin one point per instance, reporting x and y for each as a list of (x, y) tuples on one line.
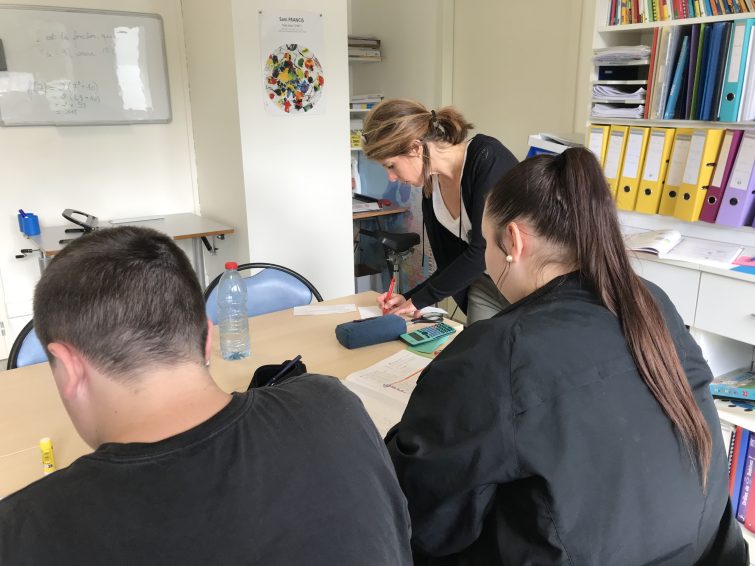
[(634, 157), (617, 139), (675, 172), (702, 157), (731, 94), (711, 63), (726, 156), (654, 172), (737, 202), (597, 141)]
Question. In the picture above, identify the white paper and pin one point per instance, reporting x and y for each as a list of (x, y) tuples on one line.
[(369, 312), (678, 160), (613, 155), (694, 158), (654, 156), (723, 156), (595, 143), (654, 241), (359, 206), (707, 252), (323, 309), (386, 386), (743, 164), (633, 153)]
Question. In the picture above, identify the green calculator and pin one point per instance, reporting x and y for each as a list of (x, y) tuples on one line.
[(422, 335)]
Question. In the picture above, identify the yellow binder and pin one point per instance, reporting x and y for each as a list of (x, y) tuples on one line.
[(703, 154), (675, 171), (617, 141), (654, 172), (634, 157), (597, 141)]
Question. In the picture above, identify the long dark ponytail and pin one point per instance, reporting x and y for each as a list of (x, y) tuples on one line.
[(567, 201)]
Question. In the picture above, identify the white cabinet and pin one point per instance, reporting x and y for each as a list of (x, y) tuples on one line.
[(679, 284), (726, 307)]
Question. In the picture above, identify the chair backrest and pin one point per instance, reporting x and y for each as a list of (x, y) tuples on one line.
[(274, 288), (27, 349)]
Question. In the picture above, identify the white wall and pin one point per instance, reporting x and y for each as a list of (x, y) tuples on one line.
[(413, 36), (215, 119), (297, 168), (515, 67), (109, 171)]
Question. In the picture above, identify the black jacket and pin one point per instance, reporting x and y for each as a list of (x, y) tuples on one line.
[(532, 439), (459, 264)]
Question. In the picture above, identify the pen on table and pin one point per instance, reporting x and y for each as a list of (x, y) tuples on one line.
[(48, 460), (21, 212), (390, 292), (284, 370)]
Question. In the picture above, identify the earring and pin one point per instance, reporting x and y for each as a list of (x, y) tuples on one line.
[(509, 259)]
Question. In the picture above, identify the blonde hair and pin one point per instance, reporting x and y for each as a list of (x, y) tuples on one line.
[(394, 125)]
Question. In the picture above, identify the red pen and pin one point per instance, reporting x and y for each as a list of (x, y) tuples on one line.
[(390, 292)]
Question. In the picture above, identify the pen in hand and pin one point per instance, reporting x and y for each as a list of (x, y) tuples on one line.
[(284, 370), (388, 295)]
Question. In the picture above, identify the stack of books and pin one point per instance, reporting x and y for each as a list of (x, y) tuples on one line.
[(622, 12), (359, 102), (740, 447), (364, 48)]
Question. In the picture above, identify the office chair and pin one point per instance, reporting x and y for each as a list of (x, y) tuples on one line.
[(397, 248), (275, 288), (27, 349)]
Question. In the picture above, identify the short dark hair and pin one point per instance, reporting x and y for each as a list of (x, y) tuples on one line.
[(127, 298)]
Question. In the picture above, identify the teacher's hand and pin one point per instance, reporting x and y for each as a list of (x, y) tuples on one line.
[(397, 304)]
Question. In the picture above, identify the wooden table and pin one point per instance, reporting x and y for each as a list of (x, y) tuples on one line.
[(185, 226), (385, 211), (30, 408)]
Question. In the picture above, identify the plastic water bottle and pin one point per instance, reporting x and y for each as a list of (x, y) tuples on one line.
[(232, 314)]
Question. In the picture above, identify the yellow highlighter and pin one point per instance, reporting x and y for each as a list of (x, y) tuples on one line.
[(48, 460)]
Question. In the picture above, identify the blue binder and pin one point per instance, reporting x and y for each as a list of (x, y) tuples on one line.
[(676, 85), (711, 70), (736, 63)]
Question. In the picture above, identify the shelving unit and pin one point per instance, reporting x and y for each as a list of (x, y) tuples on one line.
[(717, 304)]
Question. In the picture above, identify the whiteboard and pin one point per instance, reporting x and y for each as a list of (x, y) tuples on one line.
[(67, 67)]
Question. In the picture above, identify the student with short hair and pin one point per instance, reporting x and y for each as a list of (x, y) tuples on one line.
[(577, 426), (182, 472), (431, 149)]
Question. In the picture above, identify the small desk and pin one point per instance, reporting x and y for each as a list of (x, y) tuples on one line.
[(30, 408), (386, 211), (183, 226)]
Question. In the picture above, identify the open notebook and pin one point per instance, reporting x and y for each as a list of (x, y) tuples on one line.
[(670, 244)]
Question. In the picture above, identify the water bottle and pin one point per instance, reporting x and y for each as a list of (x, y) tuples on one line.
[(232, 314)]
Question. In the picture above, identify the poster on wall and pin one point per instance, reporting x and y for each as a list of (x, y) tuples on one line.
[(291, 48)]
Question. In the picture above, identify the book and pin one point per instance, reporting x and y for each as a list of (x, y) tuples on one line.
[(669, 244), (741, 444), (745, 490), (738, 384)]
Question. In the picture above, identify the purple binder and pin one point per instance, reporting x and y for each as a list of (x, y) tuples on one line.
[(725, 162), (737, 205)]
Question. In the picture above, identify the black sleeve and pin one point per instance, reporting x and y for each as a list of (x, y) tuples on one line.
[(455, 444), (491, 163)]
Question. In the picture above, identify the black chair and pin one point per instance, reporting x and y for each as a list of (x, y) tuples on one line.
[(27, 349), (274, 288), (397, 246)]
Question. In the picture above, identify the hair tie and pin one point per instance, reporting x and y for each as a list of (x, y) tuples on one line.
[(432, 112)]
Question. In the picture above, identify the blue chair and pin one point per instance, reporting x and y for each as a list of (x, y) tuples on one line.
[(274, 288), (27, 349)]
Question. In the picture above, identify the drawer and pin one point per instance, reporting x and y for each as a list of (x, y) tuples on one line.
[(679, 283), (727, 307)]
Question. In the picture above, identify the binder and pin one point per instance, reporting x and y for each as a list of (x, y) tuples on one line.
[(726, 156), (654, 172), (737, 203), (675, 172), (692, 60), (634, 157), (697, 84), (703, 153), (711, 71), (731, 95), (617, 138), (719, 81), (676, 85), (597, 141)]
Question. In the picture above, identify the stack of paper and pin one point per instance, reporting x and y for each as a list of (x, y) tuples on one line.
[(621, 55), (614, 111), (616, 93)]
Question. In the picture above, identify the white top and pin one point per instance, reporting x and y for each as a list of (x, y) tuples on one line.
[(444, 216)]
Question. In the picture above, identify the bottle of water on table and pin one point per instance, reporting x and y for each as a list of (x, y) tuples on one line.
[(232, 314)]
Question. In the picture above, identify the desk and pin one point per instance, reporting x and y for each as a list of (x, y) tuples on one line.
[(374, 213), (30, 408), (178, 226)]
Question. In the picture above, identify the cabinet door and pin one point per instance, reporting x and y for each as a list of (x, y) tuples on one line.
[(727, 307), (679, 283)]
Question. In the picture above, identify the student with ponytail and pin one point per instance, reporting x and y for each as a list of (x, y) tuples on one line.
[(576, 427), (430, 149)]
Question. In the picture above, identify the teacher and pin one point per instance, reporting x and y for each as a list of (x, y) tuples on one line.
[(430, 149)]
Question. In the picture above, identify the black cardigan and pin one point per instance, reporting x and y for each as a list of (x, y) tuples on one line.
[(532, 439), (458, 264)]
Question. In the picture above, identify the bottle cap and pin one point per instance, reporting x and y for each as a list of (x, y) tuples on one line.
[(231, 265)]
